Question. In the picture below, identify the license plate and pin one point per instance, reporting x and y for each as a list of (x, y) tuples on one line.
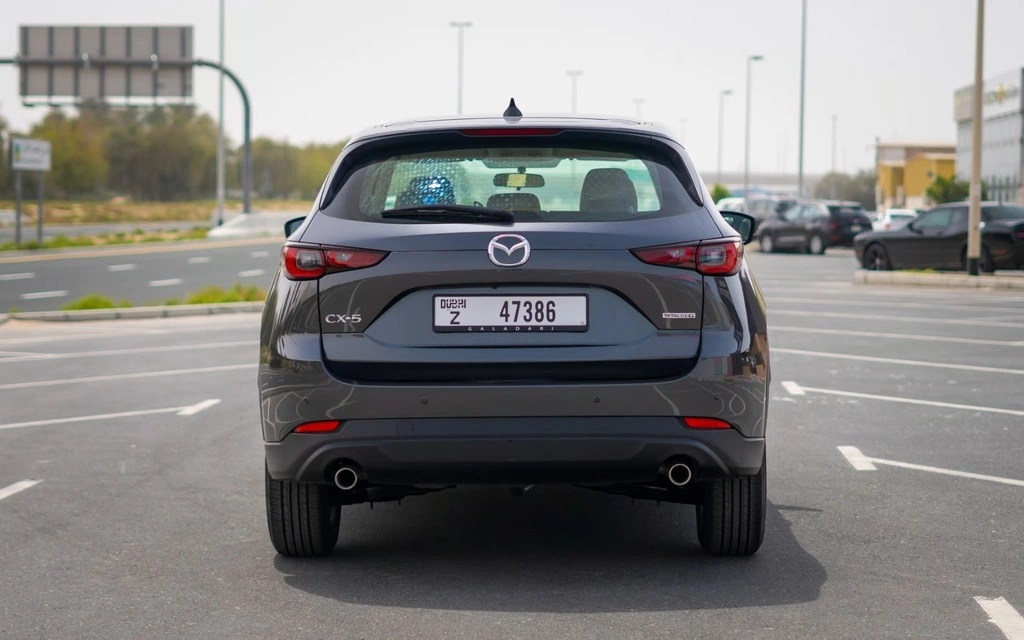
[(510, 314)]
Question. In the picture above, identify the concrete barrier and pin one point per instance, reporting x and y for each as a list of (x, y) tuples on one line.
[(949, 280)]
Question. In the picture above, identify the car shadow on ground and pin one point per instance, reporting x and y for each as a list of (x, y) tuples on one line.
[(554, 550)]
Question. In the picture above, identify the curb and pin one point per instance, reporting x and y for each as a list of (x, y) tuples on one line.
[(136, 313), (948, 280)]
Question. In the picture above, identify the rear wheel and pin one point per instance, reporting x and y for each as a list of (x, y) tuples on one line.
[(816, 245), (302, 520), (876, 258), (767, 243), (730, 520)]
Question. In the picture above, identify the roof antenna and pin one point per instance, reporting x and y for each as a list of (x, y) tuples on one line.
[(513, 112)]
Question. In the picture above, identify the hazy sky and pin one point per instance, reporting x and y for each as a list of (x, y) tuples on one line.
[(324, 69)]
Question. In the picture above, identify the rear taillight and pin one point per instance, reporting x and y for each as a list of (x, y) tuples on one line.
[(320, 426), (714, 258), (706, 423), (307, 263)]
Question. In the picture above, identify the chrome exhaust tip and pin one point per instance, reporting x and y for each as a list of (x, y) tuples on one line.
[(679, 474), (346, 478)]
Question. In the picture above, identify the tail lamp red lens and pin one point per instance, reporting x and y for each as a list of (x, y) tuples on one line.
[(320, 426), (706, 423), (307, 263), (714, 258)]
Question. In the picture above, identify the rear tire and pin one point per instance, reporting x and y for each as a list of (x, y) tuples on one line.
[(302, 519), (876, 258), (767, 243), (816, 245), (730, 521)]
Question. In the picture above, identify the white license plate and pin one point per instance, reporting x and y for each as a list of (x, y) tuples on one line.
[(510, 314)]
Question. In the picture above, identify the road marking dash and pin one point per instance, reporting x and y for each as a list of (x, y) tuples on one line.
[(100, 416), (948, 472), (199, 406), (16, 276), (251, 273), (260, 254), (793, 388), (125, 376), (39, 295), (169, 282), (859, 461), (885, 318), (1002, 614), (121, 267), (17, 487), (199, 259), (899, 336), (131, 351), (898, 361), (927, 403)]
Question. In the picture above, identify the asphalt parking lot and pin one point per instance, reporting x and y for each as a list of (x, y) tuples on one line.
[(131, 495)]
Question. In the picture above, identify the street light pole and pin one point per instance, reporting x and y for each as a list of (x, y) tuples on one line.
[(461, 26), (721, 114), (574, 74), (835, 119), (639, 102), (803, 74), (746, 141), (220, 126), (974, 213)]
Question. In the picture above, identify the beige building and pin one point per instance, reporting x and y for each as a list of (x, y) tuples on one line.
[(906, 169)]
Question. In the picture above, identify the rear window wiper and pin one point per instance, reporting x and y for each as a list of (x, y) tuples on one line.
[(453, 212)]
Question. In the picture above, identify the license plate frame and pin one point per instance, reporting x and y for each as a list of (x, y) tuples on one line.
[(494, 300)]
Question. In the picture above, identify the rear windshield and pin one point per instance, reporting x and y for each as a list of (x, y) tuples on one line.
[(846, 211), (1004, 213), (538, 184)]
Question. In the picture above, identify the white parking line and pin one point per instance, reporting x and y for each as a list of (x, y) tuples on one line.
[(929, 403), (859, 461), (121, 267), (870, 316), (131, 351), (194, 408), (1002, 614), (894, 305), (199, 406), (251, 273), (899, 336), (17, 487), (126, 376), (16, 276), (792, 388), (862, 462), (242, 322), (169, 282), (912, 363), (259, 254), (39, 295), (199, 259)]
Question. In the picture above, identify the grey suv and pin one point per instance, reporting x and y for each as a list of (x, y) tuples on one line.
[(514, 301)]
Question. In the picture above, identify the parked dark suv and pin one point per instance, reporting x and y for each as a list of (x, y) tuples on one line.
[(764, 207), (813, 226), (514, 301)]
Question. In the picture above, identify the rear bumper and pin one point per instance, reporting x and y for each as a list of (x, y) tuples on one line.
[(591, 450)]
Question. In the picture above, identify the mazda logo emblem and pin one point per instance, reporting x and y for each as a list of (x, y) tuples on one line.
[(503, 250)]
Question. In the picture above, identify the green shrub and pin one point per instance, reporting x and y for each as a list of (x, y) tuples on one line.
[(95, 301)]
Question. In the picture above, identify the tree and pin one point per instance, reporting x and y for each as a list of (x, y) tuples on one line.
[(943, 190), (78, 162), (719, 191), (841, 186)]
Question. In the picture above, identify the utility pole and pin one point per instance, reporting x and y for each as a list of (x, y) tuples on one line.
[(461, 26), (574, 74), (220, 126), (721, 113), (834, 125), (974, 215), (803, 75), (746, 142)]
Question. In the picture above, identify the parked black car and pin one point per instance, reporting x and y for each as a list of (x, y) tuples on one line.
[(764, 207), (813, 226), (937, 239)]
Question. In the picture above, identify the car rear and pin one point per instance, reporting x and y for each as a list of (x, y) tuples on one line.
[(606, 333), (846, 220)]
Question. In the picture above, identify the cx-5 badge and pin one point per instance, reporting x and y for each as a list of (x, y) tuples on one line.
[(506, 246)]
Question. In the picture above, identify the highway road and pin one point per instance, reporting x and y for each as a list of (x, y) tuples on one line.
[(131, 494), (148, 273)]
